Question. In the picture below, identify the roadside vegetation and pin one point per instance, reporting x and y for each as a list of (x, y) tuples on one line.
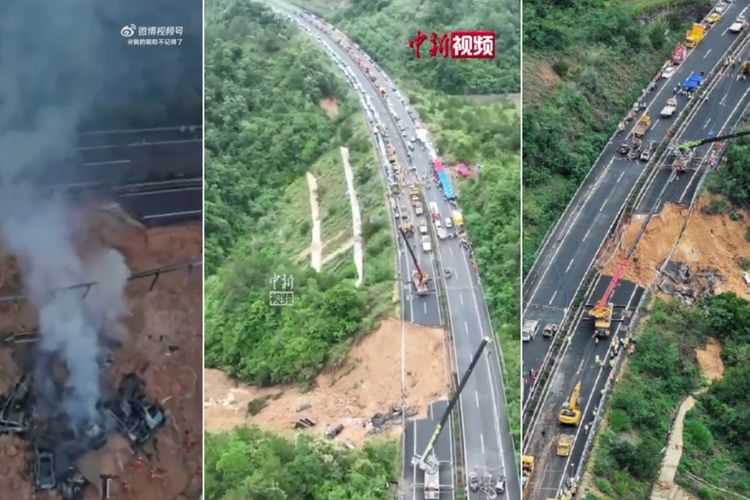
[(266, 127), (660, 375), (733, 180), (585, 63), (249, 463)]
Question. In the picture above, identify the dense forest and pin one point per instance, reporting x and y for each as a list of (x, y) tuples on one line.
[(662, 372), (585, 63), (265, 129), (379, 28), (733, 180), (249, 463)]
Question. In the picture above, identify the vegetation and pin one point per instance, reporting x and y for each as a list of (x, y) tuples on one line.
[(250, 463), (733, 180), (585, 63), (716, 430), (379, 29), (659, 375), (265, 129)]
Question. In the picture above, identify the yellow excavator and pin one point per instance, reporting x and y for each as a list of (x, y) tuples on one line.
[(570, 413)]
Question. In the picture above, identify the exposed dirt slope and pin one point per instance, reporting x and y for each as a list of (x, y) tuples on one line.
[(368, 381)]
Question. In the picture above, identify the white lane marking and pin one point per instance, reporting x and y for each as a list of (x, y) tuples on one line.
[(481, 441), (586, 235), (620, 177), (476, 398), (656, 122), (604, 204), (425, 307), (706, 54), (570, 264), (450, 249), (461, 298), (466, 327), (552, 299), (706, 124)]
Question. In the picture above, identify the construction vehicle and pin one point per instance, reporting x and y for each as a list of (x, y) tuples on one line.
[(527, 470), (678, 54), (419, 277), (570, 413), (414, 194), (642, 126), (602, 312), (458, 219), (565, 444), (683, 154), (408, 228), (668, 110), (695, 35), (428, 461), (391, 154)]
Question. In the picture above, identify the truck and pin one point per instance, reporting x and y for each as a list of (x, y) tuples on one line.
[(529, 329), (527, 470), (434, 210), (564, 444), (431, 485), (695, 35), (678, 54), (668, 110), (414, 194), (642, 126), (458, 219)]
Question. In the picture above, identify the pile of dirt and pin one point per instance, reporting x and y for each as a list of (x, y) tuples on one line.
[(162, 344), (710, 243), (709, 360), (330, 106), (368, 382)]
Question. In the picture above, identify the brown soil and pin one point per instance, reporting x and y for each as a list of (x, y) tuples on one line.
[(170, 315), (330, 106), (368, 381), (709, 360), (709, 241)]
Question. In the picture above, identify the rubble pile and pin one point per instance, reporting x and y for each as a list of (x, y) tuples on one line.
[(380, 422), (681, 282)]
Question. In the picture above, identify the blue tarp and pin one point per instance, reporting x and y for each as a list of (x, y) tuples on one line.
[(445, 182), (693, 82)]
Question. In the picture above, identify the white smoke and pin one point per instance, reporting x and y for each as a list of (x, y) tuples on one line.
[(40, 232)]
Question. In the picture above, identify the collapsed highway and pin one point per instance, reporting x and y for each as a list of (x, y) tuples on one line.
[(615, 187), (485, 430)]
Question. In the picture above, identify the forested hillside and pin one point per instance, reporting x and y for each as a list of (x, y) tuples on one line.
[(265, 128), (585, 63), (249, 463)]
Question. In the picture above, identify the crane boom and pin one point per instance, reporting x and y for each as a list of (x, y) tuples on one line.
[(700, 142), (613, 284), (424, 460), (411, 252)]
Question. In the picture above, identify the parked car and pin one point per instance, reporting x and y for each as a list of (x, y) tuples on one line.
[(426, 244), (448, 223), (668, 71)]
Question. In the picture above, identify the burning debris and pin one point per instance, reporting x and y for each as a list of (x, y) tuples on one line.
[(681, 282)]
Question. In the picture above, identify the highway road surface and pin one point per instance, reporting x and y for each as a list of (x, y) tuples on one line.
[(157, 203), (485, 427), (564, 261), (569, 252)]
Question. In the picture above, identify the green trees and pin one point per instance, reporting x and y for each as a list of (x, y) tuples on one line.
[(251, 464), (733, 180)]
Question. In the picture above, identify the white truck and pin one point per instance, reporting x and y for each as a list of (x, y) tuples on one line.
[(529, 329), (668, 110)]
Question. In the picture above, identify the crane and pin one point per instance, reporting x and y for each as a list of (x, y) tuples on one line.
[(602, 311), (428, 462), (418, 276), (684, 151), (570, 413)]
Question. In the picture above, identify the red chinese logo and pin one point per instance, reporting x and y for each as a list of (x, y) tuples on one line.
[(458, 44)]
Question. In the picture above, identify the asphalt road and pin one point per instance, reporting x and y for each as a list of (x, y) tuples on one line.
[(579, 363), (486, 431), (564, 261), (163, 202)]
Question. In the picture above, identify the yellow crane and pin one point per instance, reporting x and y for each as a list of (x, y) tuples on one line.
[(570, 413)]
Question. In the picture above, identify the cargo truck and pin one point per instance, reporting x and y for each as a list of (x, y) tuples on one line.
[(695, 35), (642, 126), (458, 219)]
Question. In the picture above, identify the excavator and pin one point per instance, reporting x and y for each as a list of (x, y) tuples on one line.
[(570, 413), (527, 470), (684, 151), (428, 461), (418, 276)]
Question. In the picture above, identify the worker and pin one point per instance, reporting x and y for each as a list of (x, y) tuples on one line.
[(621, 127), (612, 363), (598, 360), (586, 429), (544, 432)]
